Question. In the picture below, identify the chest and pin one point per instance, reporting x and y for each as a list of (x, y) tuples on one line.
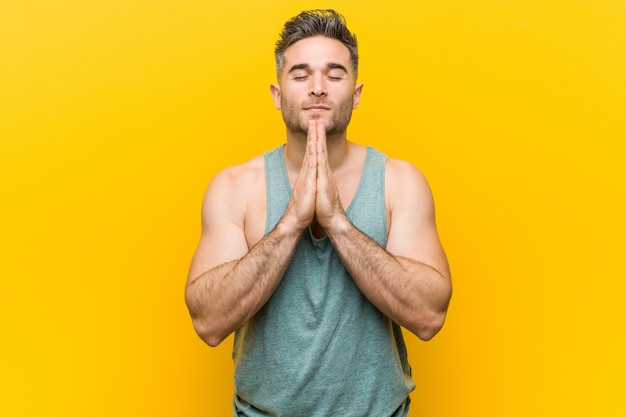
[(359, 187), (346, 185)]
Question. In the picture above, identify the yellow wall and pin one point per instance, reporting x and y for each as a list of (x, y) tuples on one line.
[(115, 114)]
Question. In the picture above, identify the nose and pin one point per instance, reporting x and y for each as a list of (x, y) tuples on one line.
[(318, 89)]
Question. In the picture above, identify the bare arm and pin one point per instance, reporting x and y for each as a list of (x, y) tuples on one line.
[(227, 283), (409, 282), (226, 296)]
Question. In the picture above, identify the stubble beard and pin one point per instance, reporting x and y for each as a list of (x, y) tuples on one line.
[(337, 124)]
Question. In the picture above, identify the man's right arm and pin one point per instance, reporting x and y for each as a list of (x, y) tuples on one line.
[(227, 283)]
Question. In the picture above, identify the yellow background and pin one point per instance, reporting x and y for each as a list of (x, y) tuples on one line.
[(115, 114)]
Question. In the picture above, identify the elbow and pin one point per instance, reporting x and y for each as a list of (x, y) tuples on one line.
[(426, 331), (430, 321), (213, 341), (204, 326), (208, 334), (427, 326)]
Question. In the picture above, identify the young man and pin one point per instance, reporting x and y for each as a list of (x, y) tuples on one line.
[(316, 252)]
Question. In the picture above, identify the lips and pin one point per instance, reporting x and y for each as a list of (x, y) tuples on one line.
[(316, 106)]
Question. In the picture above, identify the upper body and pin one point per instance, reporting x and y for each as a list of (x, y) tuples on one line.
[(318, 347), (238, 265)]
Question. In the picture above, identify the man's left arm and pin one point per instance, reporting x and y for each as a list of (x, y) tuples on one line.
[(409, 281)]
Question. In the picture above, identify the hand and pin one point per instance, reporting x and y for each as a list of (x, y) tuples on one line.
[(301, 207), (327, 203)]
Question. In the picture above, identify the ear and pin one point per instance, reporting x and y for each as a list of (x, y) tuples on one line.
[(275, 90), (358, 89)]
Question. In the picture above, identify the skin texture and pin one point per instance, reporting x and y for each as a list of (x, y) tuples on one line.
[(235, 269)]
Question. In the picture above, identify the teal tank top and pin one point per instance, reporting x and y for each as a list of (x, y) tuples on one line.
[(319, 348)]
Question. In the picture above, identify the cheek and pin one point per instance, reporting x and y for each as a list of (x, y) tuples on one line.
[(292, 101), (355, 100), (284, 103)]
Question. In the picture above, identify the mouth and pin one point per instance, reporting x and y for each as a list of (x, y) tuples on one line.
[(316, 109), (316, 106)]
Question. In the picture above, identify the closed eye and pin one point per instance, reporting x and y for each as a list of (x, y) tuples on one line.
[(336, 72)]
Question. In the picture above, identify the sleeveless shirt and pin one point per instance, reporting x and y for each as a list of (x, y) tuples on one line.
[(319, 348)]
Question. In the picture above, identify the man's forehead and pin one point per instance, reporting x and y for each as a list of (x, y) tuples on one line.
[(318, 48), (317, 51)]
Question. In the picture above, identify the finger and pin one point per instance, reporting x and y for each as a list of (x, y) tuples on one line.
[(307, 160), (322, 152), (308, 169), (312, 139), (321, 136), (312, 131)]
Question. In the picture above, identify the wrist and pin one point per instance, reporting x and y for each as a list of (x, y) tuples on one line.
[(289, 226), (338, 225)]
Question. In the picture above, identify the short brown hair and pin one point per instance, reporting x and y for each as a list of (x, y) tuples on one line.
[(311, 23)]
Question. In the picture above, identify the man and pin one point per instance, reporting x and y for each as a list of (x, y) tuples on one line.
[(316, 253)]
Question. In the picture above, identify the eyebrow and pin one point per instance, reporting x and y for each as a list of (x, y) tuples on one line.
[(337, 66), (331, 65), (298, 67)]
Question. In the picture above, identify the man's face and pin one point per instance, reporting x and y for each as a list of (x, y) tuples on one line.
[(317, 82)]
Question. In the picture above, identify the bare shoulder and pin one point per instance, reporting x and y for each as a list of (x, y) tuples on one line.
[(231, 189), (224, 211), (412, 231), (245, 173), (404, 169), (407, 186)]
